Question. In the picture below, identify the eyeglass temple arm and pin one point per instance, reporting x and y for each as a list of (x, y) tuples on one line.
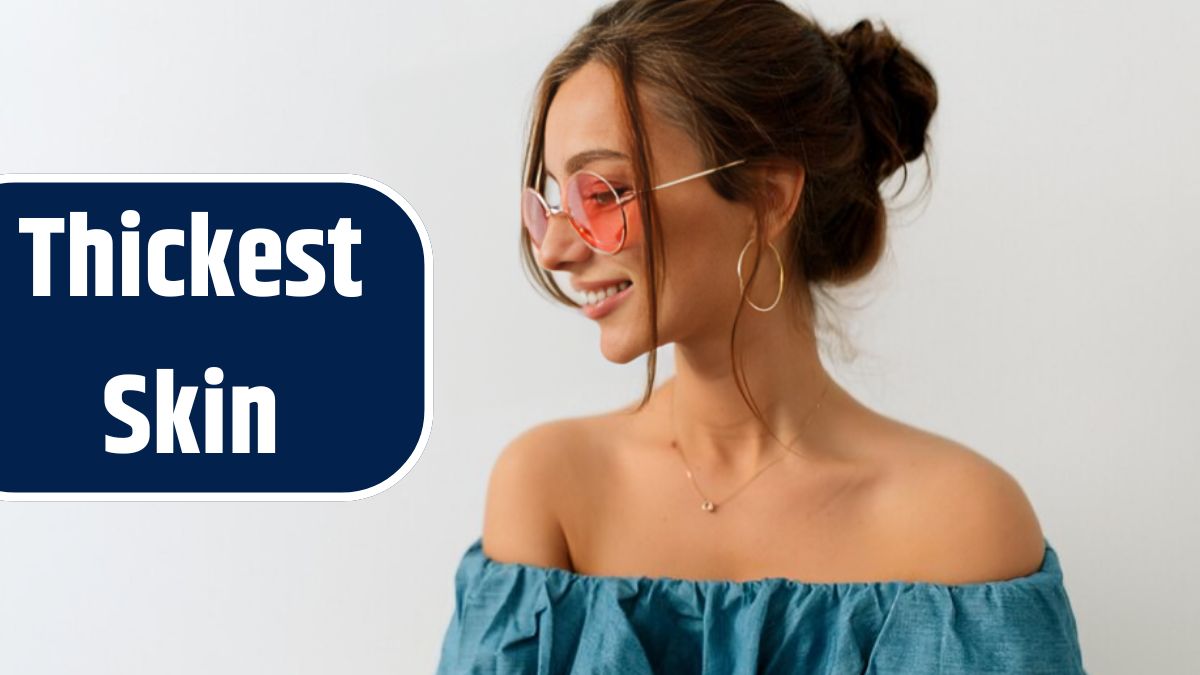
[(698, 174), (677, 181)]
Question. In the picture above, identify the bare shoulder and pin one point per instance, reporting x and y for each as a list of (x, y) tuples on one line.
[(520, 523), (954, 516)]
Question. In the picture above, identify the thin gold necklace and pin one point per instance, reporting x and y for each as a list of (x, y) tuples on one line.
[(709, 506)]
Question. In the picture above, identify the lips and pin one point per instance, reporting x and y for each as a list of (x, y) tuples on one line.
[(593, 297), (608, 304), (583, 286)]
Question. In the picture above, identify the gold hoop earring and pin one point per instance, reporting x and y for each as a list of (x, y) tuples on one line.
[(742, 282)]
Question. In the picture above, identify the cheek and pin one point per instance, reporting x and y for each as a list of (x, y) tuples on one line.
[(675, 220), (702, 239), (633, 218), (697, 237)]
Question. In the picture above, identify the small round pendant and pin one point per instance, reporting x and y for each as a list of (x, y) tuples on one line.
[(707, 506)]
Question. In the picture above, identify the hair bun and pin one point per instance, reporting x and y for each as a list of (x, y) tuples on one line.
[(896, 94), (863, 47)]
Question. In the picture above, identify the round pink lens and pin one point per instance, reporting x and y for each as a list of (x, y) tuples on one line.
[(533, 214), (596, 210)]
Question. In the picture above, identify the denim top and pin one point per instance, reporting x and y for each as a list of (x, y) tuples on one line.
[(513, 618)]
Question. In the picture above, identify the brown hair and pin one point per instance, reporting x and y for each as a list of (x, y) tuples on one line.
[(755, 79)]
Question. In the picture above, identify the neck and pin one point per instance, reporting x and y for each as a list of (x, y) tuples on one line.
[(781, 367)]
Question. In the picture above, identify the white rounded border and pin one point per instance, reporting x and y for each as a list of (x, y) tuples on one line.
[(352, 178)]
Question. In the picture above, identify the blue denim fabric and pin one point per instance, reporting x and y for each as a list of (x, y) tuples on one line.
[(514, 619)]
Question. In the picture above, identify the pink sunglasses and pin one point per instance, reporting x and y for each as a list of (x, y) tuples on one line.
[(595, 209)]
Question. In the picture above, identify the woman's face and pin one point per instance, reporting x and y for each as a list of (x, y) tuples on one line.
[(702, 233)]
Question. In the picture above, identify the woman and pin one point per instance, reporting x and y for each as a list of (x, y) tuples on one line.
[(699, 169)]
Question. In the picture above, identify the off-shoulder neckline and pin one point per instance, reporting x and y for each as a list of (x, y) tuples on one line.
[(1049, 571)]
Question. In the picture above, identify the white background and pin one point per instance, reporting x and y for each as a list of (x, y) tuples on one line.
[(1042, 307)]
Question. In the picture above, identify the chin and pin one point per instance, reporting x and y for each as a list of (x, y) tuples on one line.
[(620, 348)]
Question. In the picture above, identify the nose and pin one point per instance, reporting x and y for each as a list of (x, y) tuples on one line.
[(561, 245)]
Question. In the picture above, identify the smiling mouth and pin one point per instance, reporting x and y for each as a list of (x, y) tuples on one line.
[(593, 298)]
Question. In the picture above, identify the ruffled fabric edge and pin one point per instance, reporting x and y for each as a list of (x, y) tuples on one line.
[(520, 618), (474, 558)]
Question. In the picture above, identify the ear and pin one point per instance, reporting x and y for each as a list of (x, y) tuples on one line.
[(783, 184)]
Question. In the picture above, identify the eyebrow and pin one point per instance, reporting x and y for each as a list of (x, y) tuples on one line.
[(582, 159)]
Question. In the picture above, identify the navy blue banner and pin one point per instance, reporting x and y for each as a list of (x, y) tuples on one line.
[(212, 336)]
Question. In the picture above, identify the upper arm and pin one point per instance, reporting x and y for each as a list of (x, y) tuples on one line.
[(520, 523), (967, 520)]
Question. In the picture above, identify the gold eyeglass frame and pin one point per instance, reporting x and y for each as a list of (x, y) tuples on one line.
[(629, 196)]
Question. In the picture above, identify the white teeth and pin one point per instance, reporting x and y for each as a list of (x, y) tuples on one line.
[(592, 297)]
